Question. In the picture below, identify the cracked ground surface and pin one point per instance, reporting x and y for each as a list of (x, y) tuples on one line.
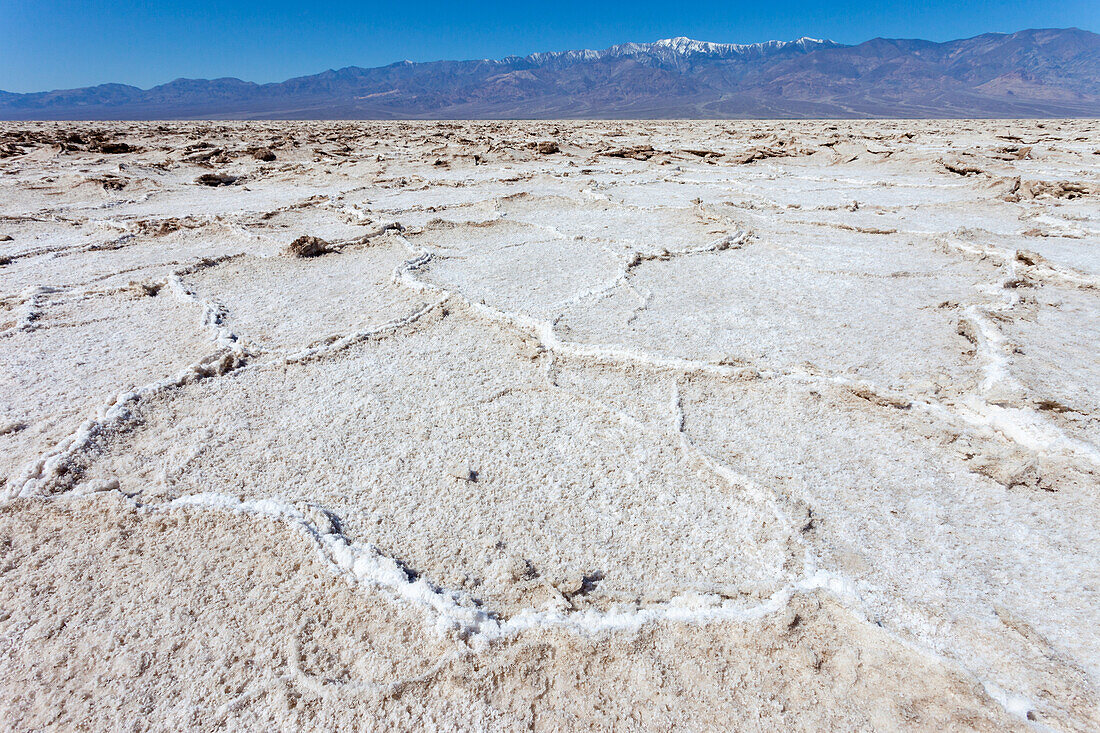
[(686, 425)]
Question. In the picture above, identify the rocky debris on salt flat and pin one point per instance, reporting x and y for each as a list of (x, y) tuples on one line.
[(462, 470), (309, 246), (216, 179)]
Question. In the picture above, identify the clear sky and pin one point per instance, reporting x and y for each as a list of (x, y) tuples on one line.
[(49, 44)]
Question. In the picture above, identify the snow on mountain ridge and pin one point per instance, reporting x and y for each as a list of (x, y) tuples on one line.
[(673, 48)]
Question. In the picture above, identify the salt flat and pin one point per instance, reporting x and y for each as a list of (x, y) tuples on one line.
[(559, 425)]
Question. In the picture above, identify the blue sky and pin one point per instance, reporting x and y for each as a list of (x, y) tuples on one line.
[(47, 44)]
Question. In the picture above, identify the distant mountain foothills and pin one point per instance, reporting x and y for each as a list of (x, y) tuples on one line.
[(1032, 73)]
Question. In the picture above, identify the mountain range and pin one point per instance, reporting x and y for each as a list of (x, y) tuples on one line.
[(1032, 73)]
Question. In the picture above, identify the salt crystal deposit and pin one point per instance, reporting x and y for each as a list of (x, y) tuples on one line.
[(705, 425)]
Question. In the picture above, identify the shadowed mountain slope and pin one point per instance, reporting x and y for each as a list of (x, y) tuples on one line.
[(1032, 73)]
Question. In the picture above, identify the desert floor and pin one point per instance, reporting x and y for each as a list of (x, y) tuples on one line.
[(697, 425)]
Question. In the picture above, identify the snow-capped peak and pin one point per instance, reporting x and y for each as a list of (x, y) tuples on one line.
[(671, 49)]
